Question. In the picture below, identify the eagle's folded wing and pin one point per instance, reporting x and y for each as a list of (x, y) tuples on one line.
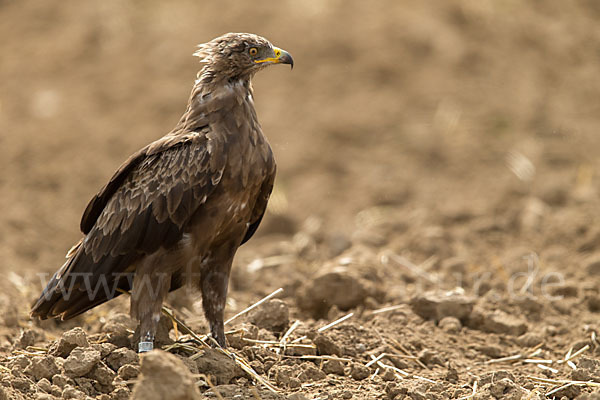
[(143, 207)]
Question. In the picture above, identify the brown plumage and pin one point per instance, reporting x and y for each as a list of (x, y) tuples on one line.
[(178, 209)]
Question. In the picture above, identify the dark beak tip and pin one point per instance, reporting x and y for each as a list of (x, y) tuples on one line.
[(288, 59)]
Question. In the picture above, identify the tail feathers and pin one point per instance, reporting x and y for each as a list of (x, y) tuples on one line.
[(73, 290)]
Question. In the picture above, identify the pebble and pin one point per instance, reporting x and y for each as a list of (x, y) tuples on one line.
[(338, 289), (128, 371), (450, 324), (507, 389), (27, 338), (359, 372), (272, 315), (219, 366), (497, 322), (81, 361), (529, 339), (436, 306), (334, 367), (312, 373), (69, 340), (164, 376), (120, 357), (592, 265), (326, 346), (102, 374), (42, 367)]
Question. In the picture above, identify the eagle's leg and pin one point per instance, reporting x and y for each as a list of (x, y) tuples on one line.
[(150, 287), (213, 283)]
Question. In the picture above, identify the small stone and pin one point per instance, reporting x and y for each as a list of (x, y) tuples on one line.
[(359, 372), (85, 385), (312, 373), (592, 265), (164, 376), (45, 385), (69, 340), (588, 369), (27, 338), (530, 306), (569, 392), (565, 290), (529, 339), (346, 394), (451, 374), (419, 395), (500, 322), (120, 357), (334, 367), (81, 361), (102, 374), (42, 367), (104, 348), (21, 384), (216, 364), (19, 363), (258, 367), (273, 315), (297, 396), (128, 371), (55, 391), (450, 324), (326, 346), (429, 357), (69, 392), (388, 375), (285, 375), (490, 350), (589, 396), (61, 380), (393, 391), (593, 303), (491, 377), (122, 393), (436, 306), (341, 289)]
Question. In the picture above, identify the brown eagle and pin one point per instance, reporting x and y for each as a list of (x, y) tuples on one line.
[(178, 209)]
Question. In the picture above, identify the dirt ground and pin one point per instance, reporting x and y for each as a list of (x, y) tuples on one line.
[(437, 181)]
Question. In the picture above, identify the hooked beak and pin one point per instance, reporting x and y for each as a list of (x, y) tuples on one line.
[(281, 57)]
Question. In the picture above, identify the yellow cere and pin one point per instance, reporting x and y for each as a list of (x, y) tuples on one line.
[(271, 59)]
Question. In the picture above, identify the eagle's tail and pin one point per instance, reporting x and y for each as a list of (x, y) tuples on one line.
[(72, 291)]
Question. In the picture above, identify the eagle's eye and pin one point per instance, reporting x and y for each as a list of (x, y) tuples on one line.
[(253, 51)]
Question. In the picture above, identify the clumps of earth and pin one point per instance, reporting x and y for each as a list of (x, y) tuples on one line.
[(351, 343), (364, 321)]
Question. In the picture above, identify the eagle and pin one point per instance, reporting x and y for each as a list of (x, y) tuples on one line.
[(176, 211)]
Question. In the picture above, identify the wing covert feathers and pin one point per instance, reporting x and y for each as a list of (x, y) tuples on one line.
[(143, 207)]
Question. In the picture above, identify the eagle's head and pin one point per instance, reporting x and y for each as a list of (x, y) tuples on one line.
[(240, 55)]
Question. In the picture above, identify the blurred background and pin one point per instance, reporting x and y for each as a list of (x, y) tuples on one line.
[(449, 145), (443, 111)]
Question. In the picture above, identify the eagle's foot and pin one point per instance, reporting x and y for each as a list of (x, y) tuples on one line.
[(217, 335)]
